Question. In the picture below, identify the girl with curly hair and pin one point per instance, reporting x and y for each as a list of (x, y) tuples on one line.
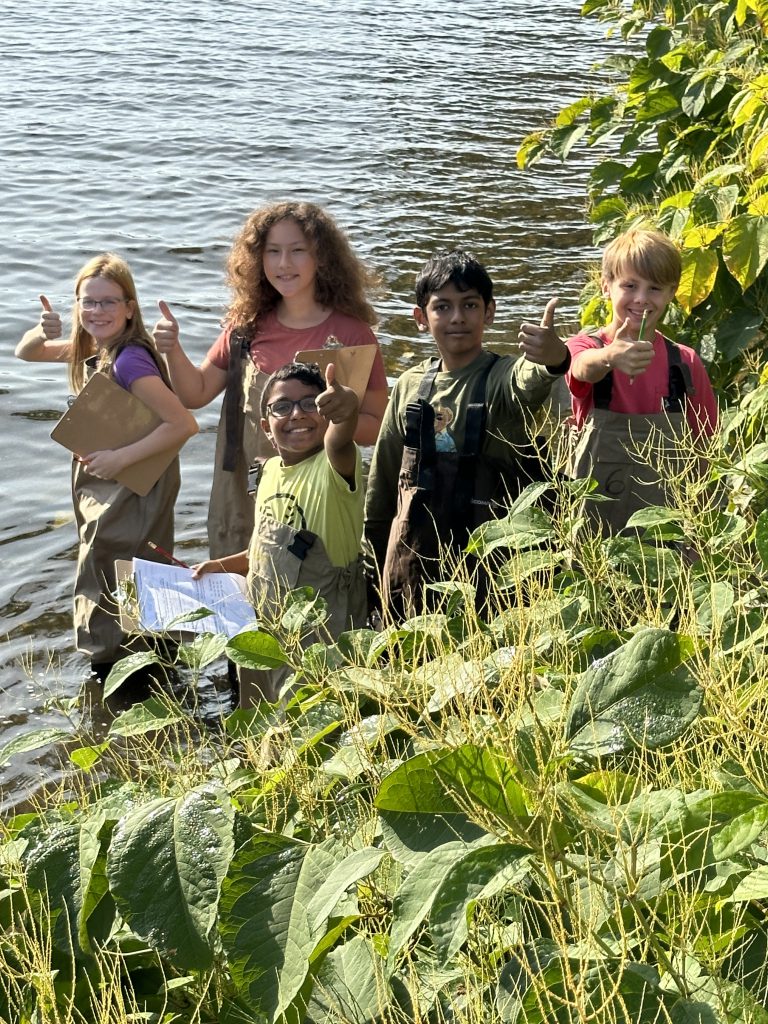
[(108, 336), (295, 282)]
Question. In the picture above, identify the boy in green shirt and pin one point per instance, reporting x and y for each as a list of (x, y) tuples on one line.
[(426, 496)]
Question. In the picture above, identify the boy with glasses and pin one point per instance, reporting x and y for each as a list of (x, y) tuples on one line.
[(309, 510)]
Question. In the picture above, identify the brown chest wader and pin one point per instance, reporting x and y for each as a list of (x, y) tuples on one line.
[(240, 443), (603, 448), (285, 559), (442, 497), (113, 522)]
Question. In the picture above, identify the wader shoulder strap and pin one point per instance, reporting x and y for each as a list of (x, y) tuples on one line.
[(680, 380), (420, 428), (239, 346)]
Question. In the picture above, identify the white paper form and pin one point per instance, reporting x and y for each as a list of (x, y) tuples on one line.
[(165, 592)]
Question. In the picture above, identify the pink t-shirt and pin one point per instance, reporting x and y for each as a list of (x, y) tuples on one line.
[(133, 363), (644, 395), (275, 344)]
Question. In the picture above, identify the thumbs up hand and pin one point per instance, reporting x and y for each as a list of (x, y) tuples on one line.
[(338, 402), (50, 321), (540, 342), (166, 330)]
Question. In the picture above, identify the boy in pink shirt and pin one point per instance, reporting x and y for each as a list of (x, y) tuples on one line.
[(629, 384)]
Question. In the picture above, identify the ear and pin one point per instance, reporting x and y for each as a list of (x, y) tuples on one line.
[(490, 312), (267, 432), (130, 309), (420, 318), (605, 286)]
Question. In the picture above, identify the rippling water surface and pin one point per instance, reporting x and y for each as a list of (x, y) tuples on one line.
[(154, 129)]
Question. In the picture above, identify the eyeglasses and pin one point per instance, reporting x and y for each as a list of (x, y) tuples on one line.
[(106, 304), (284, 407)]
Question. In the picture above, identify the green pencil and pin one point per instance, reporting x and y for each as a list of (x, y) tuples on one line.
[(642, 326)]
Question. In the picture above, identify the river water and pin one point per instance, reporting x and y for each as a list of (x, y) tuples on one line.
[(154, 129)]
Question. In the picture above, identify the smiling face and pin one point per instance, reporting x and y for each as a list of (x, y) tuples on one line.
[(631, 295), (289, 261), (300, 434), (108, 320), (456, 320)]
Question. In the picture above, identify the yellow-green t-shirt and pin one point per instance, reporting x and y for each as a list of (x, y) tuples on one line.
[(312, 496)]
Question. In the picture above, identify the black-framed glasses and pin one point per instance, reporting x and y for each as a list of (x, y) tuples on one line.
[(89, 304), (283, 407)]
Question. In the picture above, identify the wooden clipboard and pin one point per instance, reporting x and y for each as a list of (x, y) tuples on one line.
[(106, 416), (353, 364)]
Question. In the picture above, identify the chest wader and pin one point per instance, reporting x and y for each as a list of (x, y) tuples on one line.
[(603, 448), (442, 497), (286, 558), (240, 443), (113, 522)]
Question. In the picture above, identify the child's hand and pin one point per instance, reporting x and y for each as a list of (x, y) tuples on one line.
[(540, 343), (631, 357), (106, 465), (337, 403), (50, 322), (166, 331), (209, 565)]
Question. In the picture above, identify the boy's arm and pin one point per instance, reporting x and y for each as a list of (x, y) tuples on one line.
[(339, 405), (592, 364)]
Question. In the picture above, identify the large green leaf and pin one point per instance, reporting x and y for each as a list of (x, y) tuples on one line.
[(264, 920), (745, 247), (698, 277), (415, 786), (740, 833), (414, 899), (409, 837), (149, 716), (348, 985), (639, 695), (256, 649), (166, 864), (60, 866), (479, 873), (31, 741), (480, 775), (354, 867)]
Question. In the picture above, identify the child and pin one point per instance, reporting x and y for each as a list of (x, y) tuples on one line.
[(108, 336), (295, 281), (309, 509), (629, 384), (436, 493)]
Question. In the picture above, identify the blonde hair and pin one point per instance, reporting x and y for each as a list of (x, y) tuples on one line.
[(647, 252), (342, 280), (113, 268)]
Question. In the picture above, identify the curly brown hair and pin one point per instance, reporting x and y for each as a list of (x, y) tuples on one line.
[(342, 280)]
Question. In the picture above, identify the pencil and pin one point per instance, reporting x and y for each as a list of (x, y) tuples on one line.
[(641, 332), (166, 554)]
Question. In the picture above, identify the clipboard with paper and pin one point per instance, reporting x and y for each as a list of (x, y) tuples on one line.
[(353, 363), (106, 416), (158, 598)]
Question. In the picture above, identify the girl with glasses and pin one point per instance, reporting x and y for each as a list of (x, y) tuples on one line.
[(108, 336)]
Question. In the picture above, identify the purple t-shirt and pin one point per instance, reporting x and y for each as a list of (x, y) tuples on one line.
[(132, 363)]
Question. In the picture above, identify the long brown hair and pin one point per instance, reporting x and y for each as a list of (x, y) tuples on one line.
[(114, 268), (342, 280)]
